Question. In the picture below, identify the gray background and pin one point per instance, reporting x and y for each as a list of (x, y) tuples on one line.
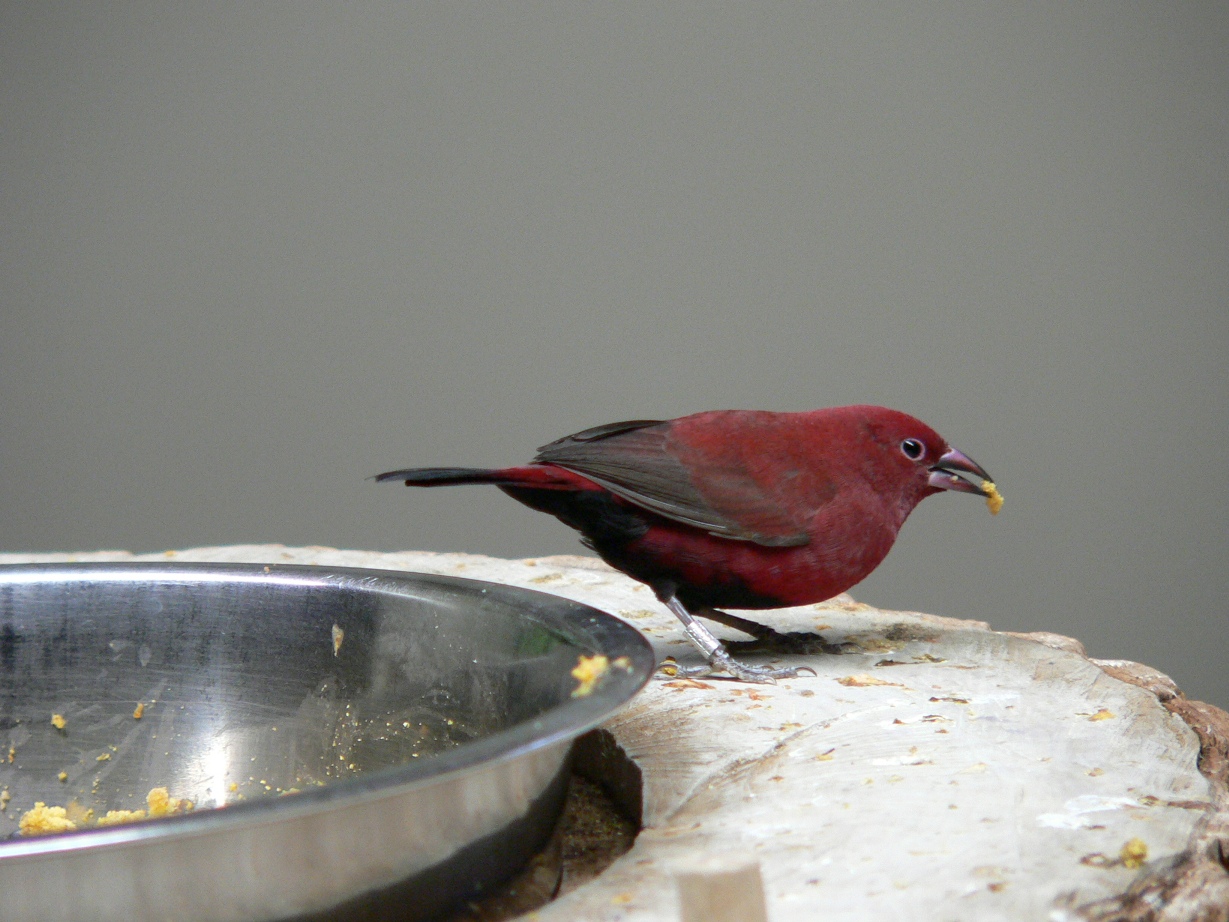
[(252, 254)]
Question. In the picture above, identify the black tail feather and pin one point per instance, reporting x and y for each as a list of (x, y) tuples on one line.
[(438, 476)]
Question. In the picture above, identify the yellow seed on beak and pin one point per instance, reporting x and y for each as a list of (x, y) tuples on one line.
[(994, 499)]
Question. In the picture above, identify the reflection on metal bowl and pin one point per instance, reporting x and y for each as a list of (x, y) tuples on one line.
[(356, 743)]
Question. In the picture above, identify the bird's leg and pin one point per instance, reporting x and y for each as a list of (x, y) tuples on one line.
[(769, 640), (761, 632), (718, 659)]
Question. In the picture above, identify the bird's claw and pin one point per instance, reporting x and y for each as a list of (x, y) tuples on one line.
[(799, 643), (769, 640), (719, 660), (732, 669)]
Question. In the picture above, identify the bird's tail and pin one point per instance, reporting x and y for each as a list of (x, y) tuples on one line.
[(532, 475), (439, 476)]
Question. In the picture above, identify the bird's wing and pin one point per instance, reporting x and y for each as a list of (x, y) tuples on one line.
[(638, 461)]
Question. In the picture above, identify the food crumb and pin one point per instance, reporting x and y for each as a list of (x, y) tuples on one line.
[(161, 803), (5, 797), (994, 499), (587, 672), (12, 754), (58, 721), (115, 817), (687, 682), (63, 776), (1134, 854), (105, 757), (863, 680), (140, 711), (338, 636), (41, 819)]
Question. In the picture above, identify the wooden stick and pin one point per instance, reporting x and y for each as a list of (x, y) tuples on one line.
[(722, 888)]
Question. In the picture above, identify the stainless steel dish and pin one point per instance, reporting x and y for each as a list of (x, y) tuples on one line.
[(358, 743)]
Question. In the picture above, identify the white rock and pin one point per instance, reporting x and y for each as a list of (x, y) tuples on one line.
[(941, 771)]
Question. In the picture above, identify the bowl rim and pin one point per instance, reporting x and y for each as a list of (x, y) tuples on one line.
[(560, 724)]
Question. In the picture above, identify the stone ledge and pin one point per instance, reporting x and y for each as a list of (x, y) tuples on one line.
[(941, 770)]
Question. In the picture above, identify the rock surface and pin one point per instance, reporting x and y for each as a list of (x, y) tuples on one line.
[(935, 770)]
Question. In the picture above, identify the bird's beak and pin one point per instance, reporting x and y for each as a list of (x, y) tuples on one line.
[(946, 474)]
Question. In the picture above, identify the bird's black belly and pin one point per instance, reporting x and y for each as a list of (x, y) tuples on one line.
[(611, 528), (599, 517)]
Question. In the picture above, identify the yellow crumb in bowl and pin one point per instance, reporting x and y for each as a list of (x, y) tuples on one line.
[(79, 814), (58, 721), (41, 820), (139, 712), (161, 803), (994, 499), (116, 817), (588, 670)]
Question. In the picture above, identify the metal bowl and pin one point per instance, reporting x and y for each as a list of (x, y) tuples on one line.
[(357, 743)]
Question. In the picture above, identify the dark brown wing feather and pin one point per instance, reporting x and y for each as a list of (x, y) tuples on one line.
[(636, 461), (600, 432)]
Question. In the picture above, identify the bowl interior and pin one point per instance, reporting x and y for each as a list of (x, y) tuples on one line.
[(229, 685)]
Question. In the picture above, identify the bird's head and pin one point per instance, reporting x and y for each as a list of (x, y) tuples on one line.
[(918, 461)]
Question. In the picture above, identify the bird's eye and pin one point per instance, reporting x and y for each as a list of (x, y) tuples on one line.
[(913, 449)]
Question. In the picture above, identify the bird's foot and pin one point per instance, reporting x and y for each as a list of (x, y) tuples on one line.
[(770, 640), (719, 661), (801, 643), (729, 668)]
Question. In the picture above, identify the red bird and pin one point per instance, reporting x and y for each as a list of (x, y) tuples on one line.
[(735, 508)]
